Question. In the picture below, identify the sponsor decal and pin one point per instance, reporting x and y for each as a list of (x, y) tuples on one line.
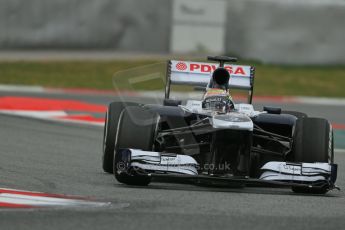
[(181, 66), (195, 67), (292, 167), (166, 159)]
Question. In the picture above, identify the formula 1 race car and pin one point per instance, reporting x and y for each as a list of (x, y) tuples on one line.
[(215, 141)]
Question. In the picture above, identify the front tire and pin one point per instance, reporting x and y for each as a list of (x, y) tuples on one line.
[(110, 127), (312, 142), (137, 129)]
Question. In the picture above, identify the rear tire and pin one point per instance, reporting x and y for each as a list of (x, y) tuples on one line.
[(312, 142), (137, 129), (110, 127), (295, 113)]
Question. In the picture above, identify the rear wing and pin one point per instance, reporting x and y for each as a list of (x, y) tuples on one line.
[(199, 74)]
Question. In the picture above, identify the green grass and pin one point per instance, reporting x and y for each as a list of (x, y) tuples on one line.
[(70, 74), (270, 79), (308, 81)]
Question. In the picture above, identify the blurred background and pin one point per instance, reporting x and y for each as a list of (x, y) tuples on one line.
[(285, 39)]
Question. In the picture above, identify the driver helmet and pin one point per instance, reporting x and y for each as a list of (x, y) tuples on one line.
[(217, 100)]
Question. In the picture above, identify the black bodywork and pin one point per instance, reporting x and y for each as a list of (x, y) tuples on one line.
[(191, 134)]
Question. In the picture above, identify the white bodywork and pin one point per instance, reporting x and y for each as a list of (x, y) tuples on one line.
[(239, 119), (163, 162), (198, 73), (234, 121), (169, 163), (282, 171)]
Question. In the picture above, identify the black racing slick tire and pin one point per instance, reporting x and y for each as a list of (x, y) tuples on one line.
[(313, 142), (110, 127), (295, 113), (137, 130)]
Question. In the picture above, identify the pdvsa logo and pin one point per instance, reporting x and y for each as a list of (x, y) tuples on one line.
[(206, 68), (181, 66)]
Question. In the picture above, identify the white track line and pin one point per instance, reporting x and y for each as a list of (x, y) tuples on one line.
[(38, 199), (339, 150), (49, 115), (45, 201), (35, 114), (321, 101), (22, 88)]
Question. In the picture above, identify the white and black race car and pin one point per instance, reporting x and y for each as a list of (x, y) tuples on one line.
[(215, 141)]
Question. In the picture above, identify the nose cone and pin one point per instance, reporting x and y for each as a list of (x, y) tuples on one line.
[(233, 121)]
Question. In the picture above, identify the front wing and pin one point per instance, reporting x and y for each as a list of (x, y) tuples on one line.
[(170, 167)]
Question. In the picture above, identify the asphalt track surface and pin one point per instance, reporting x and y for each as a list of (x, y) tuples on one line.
[(66, 158)]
